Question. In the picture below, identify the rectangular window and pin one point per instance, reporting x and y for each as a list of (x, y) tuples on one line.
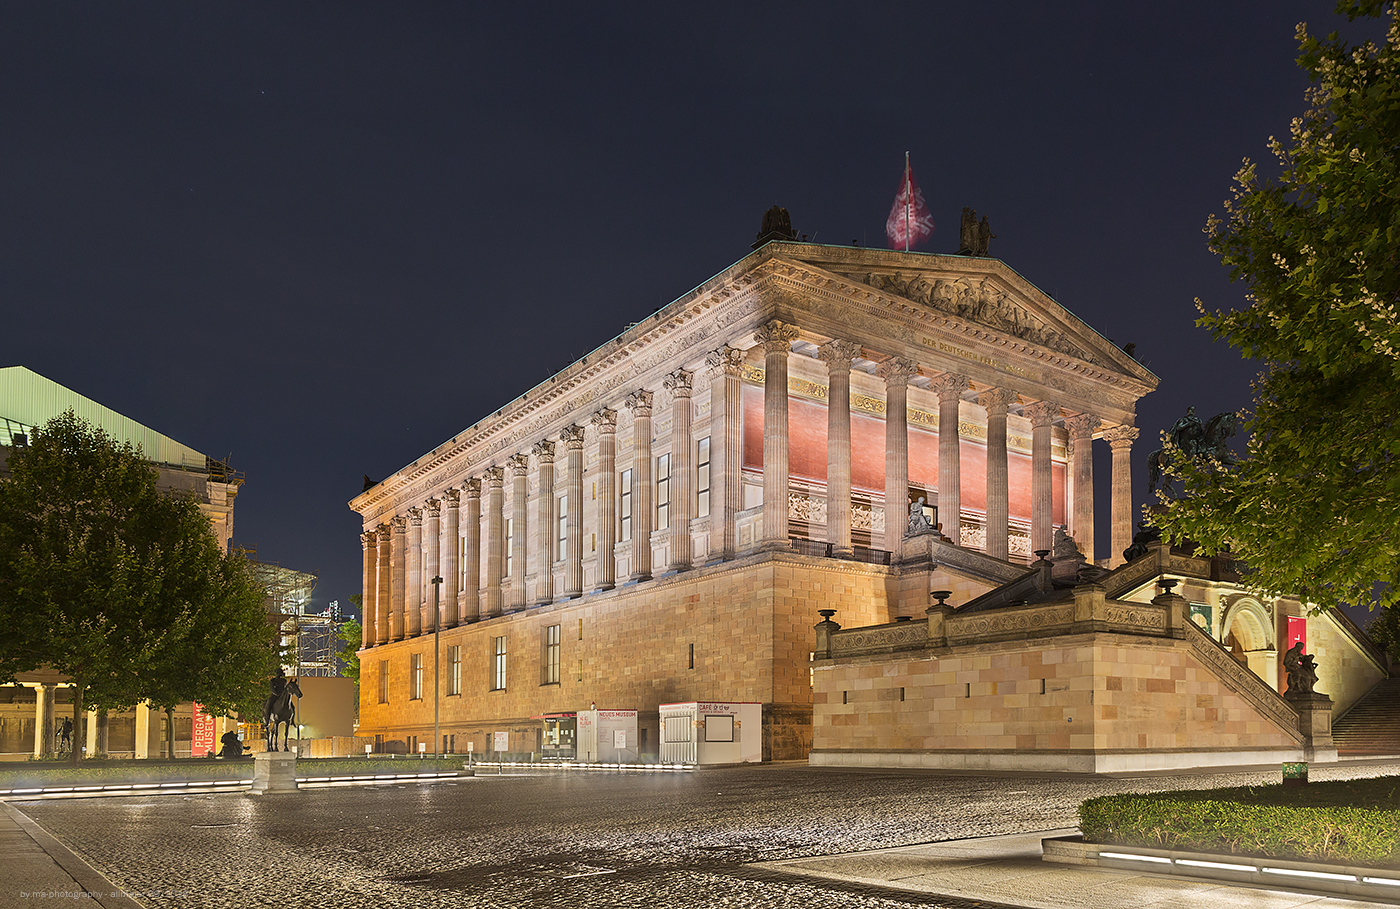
[(563, 535), (498, 665), (663, 491), (510, 547), (454, 678), (624, 506), (702, 478), (415, 677), (383, 681), (549, 657)]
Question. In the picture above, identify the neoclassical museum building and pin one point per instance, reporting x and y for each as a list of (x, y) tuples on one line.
[(662, 520)]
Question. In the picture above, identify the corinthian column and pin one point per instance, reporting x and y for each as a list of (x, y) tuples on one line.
[(413, 602), (726, 448), (1120, 441), (572, 437), (544, 533), (1042, 415), (1081, 428), (470, 610), (495, 540), (950, 388), (370, 590), (776, 340), (996, 401), (383, 581), (396, 605), (451, 540), (605, 422), (520, 521), (643, 515), (896, 371), (432, 543), (678, 383), (838, 355)]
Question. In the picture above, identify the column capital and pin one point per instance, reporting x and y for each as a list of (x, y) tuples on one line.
[(572, 437), (385, 532), (432, 507), (776, 336), (495, 477), (678, 383), (544, 451), (726, 360), (472, 486), (1120, 438), (1041, 413), (838, 354), (415, 516), (1082, 426), (605, 420), (897, 371), (399, 523), (519, 465), (996, 400), (639, 402), (369, 538), (453, 496), (949, 386)]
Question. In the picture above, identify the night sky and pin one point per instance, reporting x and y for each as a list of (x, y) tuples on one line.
[(321, 239)]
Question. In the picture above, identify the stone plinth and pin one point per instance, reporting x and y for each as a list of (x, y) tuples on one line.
[(274, 771), (1315, 721)]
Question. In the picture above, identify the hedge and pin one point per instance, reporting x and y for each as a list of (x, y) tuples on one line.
[(1350, 821)]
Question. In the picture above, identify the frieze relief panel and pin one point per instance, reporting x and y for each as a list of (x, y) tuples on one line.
[(901, 635), (1013, 620)]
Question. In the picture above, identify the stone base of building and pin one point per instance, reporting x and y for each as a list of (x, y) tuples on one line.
[(1054, 761)]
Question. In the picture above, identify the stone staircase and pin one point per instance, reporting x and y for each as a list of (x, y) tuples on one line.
[(1372, 725)]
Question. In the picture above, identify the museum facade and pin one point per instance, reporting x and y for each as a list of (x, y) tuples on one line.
[(661, 521)]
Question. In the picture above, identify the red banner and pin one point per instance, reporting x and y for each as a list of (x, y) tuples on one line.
[(202, 732), (910, 222), (1297, 631)]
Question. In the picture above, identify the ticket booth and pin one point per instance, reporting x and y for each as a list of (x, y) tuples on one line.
[(712, 732), (559, 738), (608, 736)]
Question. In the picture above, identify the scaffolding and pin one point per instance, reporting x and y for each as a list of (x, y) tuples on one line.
[(309, 639)]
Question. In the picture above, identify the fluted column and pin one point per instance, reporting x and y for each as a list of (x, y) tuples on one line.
[(776, 339), (451, 541), (383, 589), (1042, 415), (495, 540), (413, 600), (432, 553), (1120, 441), (950, 388), (572, 437), (726, 448), (396, 604), (605, 423), (896, 371), (545, 530), (43, 719), (520, 526), (1081, 429), (996, 401), (470, 604), (678, 384), (643, 513), (370, 588), (838, 355)]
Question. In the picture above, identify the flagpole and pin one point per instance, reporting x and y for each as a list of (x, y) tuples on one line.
[(908, 200)]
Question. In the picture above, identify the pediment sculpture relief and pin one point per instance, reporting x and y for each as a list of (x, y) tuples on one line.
[(980, 301)]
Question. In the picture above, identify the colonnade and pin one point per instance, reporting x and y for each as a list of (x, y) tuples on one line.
[(399, 554)]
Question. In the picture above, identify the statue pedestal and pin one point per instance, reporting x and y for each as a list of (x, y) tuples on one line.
[(1315, 720), (274, 771)]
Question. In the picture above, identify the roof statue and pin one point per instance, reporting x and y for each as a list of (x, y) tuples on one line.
[(777, 225), (1199, 441), (974, 237)]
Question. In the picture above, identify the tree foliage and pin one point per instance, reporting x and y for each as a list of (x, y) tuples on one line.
[(117, 586), (1314, 507)]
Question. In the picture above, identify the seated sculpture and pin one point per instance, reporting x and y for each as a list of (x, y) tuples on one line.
[(1301, 669)]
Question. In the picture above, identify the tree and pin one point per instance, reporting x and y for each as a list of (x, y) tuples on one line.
[(1314, 506), (350, 634), (122, 589)]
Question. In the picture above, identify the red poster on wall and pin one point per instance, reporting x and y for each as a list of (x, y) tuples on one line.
[(202, 733), (1297, 631)]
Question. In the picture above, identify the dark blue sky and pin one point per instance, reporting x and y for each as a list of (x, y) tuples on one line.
[(324, 238)]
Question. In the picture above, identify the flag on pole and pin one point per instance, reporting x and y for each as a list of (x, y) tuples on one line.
[(909, 223)]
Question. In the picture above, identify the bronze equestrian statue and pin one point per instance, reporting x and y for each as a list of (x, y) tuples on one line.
[(280, 710), (1199, 441)]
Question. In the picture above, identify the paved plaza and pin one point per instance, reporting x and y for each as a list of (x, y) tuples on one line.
[(732, 837)]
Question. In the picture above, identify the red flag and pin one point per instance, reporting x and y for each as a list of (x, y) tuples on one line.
[(909, 223)]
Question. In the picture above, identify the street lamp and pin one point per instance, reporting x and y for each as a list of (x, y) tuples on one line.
[(437, 682)]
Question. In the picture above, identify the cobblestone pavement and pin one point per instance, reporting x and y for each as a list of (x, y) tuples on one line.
[(561, 838)]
